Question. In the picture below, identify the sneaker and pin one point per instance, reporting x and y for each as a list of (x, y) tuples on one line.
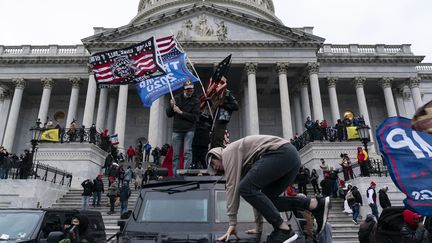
[(321, 213), (355, 222), (282, 236)]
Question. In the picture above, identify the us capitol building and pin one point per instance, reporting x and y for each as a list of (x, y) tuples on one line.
[(280, 75)]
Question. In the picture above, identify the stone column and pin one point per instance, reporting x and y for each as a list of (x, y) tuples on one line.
[(102, 107), (120, 126), (253, 118), (73, 102), (414, 84), (246, 124), (90, 102), (298, 114), (155, 123), (313, 69), (305, 99), (388, 95), (4, 114), (361, 99), (14, 113), (407, 101), (46, 96), (334, 104), (111, 113), (284, 99)]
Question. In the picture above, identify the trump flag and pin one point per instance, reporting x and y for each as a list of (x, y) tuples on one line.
[(150, 90), (408, 155)]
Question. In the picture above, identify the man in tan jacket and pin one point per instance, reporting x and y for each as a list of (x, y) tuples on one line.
[(260, 168)]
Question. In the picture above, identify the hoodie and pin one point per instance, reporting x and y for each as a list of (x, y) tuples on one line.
[(238, 156)]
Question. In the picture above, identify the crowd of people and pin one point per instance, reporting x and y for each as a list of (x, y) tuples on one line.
[(322, 131), (14, 167)]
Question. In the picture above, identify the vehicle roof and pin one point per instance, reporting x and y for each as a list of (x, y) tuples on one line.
[(186, 179), (23, 210)]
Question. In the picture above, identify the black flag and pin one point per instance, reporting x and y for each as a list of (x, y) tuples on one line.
[(222, 69)]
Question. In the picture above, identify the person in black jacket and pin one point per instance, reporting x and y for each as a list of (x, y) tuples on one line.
[(201, 141), (354, 200), (326, 185), (383, 198), (88, 191), (98, 189), (223, 116), (93, 133), (185, 110)]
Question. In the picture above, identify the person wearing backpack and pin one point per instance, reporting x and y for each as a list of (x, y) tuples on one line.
[(354, 200)]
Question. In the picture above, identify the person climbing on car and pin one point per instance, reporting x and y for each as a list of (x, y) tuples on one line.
[(260, 168)]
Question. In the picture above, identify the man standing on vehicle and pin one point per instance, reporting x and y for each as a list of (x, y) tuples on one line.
[(260, 168), (185, 110)]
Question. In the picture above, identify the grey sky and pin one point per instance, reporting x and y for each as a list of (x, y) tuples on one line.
[(42, 22)]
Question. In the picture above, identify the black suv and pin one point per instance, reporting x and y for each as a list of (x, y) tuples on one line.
[(34, 225), (189, 209)]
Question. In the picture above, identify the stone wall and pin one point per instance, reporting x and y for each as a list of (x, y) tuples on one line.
[(30, 193)]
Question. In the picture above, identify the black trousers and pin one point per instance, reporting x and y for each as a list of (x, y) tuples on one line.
[(268, 178)]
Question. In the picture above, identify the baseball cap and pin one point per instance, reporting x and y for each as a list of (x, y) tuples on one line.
[(188, 85)]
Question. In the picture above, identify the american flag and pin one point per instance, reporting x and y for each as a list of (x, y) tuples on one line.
[(125, 65), (166, 44)]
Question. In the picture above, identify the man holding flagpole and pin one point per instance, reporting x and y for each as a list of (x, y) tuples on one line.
[(185, 110)]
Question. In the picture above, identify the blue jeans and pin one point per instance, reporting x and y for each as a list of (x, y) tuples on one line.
[(356, 211), (374, 209), (2, 173), (85, 202), (124, 206), (179, 138), (96, 198)]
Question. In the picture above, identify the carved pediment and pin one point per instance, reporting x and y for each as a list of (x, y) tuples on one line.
[(204, 23)]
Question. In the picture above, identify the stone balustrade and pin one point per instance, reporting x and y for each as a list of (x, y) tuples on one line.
[(424, 68), (365, 49), (51, 50)]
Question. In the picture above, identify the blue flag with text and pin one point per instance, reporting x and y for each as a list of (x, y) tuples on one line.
[(177, 72), (408, 155)]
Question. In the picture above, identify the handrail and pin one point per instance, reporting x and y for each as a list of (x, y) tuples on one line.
[(41, 172)]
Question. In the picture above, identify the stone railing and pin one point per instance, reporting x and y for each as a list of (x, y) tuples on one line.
[(51, 50), (365, 49), (267, 4), (424, 67)]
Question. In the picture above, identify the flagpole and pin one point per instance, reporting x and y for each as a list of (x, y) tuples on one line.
[(196, 73), (163, 65)]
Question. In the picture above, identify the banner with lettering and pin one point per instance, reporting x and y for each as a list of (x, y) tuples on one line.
[(174, 63), (408, 155), (124, 66)]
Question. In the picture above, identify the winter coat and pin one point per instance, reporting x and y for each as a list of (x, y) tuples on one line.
[(125, 193), (130, 152), (113, 190), (229, 105), (327, 186), (190, 108), (314, 178), (98, 185), (367, 231), (128, 175), (420, 235), (88, 187), (383, 199), (357, 197)]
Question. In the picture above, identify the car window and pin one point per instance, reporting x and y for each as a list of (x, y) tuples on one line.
[(52, 223), (245, 212), (188, 206), (16, 225)]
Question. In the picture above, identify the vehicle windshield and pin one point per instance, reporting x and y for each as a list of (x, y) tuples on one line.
[(245, 213), (188, 206), (17, 225)]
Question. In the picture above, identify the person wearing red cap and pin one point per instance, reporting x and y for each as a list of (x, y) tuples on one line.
[(371, 196), (413, 231)]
